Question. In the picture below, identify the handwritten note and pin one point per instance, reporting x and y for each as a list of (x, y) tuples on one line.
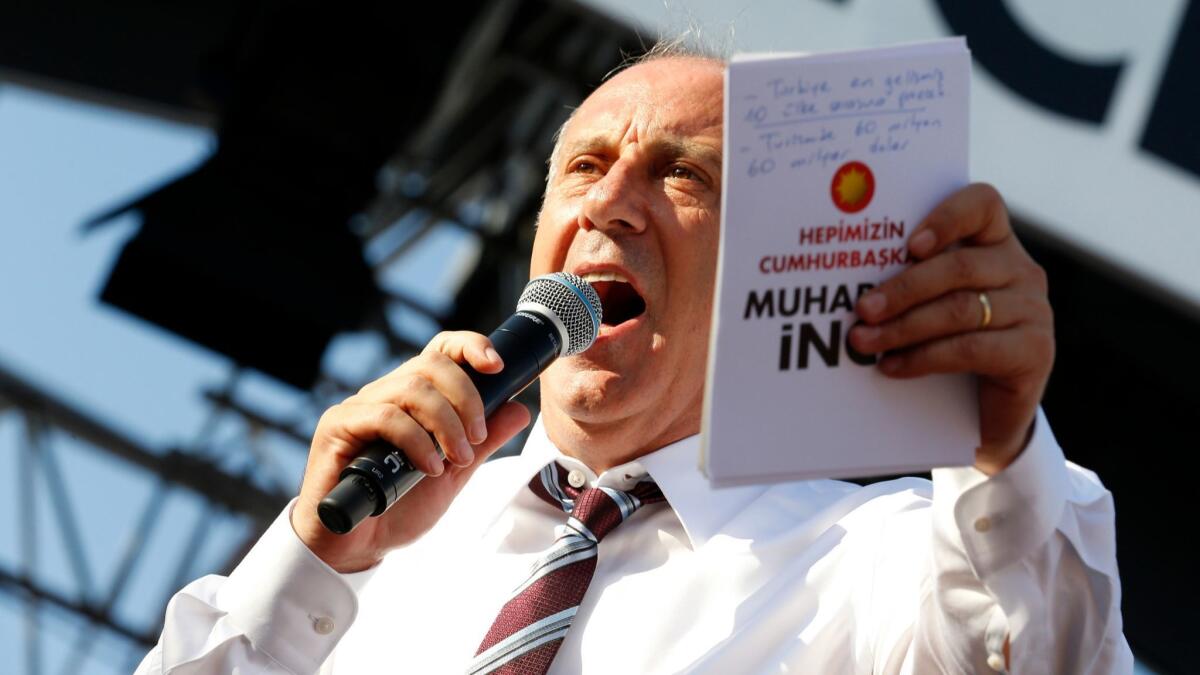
[(830, 161)]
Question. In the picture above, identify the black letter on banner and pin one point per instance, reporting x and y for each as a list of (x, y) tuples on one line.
[(1171, 131), (785, 347), (765, 304), (1000, 45), (829, 351)]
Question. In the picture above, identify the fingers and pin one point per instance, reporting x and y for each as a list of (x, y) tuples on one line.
[(352, 425), (932, 310), (508, 419), (930, 319), (952, 314), (964, 268), (440, 396), (1006, 354), (975, 214), (342, 432), (435, 391), (466, 346), (505, 423)]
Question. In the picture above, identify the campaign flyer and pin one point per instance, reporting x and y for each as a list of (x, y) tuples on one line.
[(830, 162)]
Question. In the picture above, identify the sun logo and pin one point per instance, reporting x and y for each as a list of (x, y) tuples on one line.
[(852, 187)]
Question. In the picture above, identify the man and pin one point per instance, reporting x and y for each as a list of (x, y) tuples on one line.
[(1011, 566)]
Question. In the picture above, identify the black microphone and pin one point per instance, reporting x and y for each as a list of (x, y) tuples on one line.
[(557, 315)]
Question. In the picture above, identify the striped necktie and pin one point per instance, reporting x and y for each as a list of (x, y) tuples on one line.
[(533, 622)]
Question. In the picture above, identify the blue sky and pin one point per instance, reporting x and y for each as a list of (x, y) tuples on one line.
[(61, 163)]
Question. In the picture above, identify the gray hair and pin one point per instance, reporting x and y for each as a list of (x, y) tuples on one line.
[(690, 43)]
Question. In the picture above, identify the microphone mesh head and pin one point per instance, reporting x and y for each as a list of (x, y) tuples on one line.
[(573, 302)]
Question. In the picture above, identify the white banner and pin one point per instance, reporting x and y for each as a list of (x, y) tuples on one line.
[(1082, 111)]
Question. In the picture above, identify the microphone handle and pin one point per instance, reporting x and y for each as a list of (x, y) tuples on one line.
[(527, 342)]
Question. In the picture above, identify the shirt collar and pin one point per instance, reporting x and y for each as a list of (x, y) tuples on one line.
[(702, 509)]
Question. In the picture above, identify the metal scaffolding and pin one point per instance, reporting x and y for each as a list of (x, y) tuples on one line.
[(43, 420), (474, 168)]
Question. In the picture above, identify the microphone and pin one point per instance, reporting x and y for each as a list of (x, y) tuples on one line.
[(557, 315)]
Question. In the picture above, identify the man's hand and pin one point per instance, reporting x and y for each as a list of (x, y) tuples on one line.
[(930, 317), (428, 394)]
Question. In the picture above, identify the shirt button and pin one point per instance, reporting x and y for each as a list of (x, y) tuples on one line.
[(323, 625), (576, 479), (996, 662), (983, 524)]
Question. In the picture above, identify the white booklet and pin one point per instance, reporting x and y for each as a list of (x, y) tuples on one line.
[(831, 160)]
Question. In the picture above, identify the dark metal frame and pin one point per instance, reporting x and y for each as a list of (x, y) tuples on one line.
[(477, 165)]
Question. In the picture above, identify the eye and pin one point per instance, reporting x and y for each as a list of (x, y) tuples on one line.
[(582, 166), (682, 172)]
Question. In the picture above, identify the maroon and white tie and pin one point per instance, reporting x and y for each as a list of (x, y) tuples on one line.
[(532, 624)]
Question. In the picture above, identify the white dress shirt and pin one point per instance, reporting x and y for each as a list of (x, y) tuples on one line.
[(816, 576)]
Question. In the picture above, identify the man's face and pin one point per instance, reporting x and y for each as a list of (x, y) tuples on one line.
[(633, 204)]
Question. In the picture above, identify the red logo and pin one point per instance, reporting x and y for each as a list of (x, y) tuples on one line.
[(852, 187)]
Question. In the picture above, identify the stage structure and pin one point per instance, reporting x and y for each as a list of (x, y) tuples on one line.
[(350, 147), (380, 144)]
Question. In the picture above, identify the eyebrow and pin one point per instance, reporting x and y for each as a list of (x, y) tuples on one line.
[(664, 147), (686, 147)]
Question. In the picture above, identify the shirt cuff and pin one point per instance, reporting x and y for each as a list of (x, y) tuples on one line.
[(1004, 518), (287, 601)]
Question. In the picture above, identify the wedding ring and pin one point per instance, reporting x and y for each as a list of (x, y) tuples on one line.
[(987, 311)]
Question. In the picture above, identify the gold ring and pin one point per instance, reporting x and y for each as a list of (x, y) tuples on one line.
[(987, 311)]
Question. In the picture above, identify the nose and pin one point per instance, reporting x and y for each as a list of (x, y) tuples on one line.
[(617, 202)]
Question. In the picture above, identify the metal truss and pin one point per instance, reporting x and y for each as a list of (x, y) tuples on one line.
[(43, 420), (476, 167)]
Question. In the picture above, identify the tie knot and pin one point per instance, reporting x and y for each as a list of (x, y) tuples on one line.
[(594, 512)]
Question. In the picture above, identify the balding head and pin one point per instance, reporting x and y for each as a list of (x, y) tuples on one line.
[(676, 50)]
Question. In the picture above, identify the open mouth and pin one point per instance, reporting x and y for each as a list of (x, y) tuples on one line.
[(617, 296)]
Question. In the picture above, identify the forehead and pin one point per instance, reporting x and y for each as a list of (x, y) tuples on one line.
[(666, 98)]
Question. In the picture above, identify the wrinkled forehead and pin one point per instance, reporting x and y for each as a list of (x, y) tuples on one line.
[(675, 97)]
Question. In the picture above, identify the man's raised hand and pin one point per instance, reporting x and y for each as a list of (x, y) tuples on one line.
[(429, 394), (930, 318)]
